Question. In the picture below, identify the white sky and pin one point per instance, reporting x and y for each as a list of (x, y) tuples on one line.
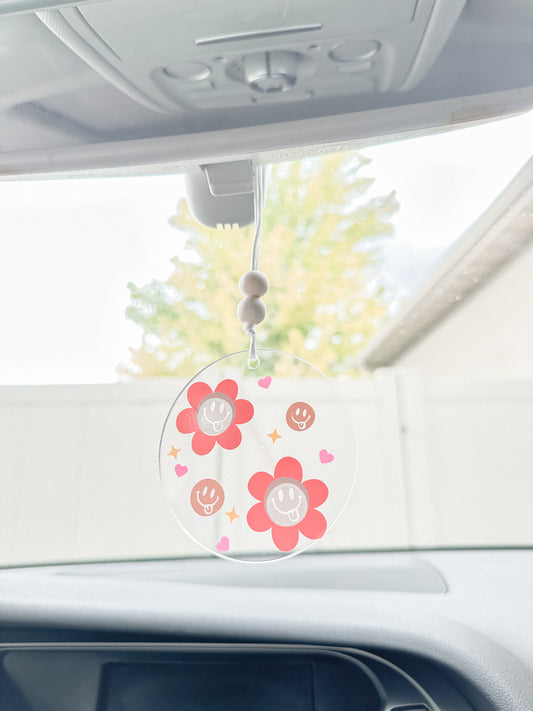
[(70, 247)]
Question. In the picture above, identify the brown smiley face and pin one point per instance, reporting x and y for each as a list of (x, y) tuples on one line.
[(207, 497), (300, 416)]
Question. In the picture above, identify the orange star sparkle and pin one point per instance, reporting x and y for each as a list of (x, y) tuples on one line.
[(174, 452), (232, 515), (274, 436)]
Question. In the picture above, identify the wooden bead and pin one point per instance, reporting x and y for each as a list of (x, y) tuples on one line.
[(253, 283), (251, 310)]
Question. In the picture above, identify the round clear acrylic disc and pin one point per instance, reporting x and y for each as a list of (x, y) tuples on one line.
[(257, 464)]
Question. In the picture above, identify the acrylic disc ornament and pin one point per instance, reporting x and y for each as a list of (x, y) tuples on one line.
[(257, 464)]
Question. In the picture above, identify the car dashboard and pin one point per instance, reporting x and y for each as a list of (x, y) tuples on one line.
[(402, 631)]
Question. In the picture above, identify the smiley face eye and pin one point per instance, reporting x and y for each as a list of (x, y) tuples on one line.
[(204, 492), (291, 494), (304, 413), (280, 494), (221, 408), (212, 493), (213, 405), (297, 411)]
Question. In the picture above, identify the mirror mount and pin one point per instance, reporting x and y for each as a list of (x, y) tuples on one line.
[(221, 195)]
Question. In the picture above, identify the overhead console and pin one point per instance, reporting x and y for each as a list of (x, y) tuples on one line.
[(112, 84), (198, 55)]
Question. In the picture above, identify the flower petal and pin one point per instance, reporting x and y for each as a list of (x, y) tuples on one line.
[(186, 421), (317, 490), (202, 443), (314, 525), (288, 467), (257, 518), (231, 438), (285, 537), (228, 387), (197, 392), (244, 411), (259, 483)]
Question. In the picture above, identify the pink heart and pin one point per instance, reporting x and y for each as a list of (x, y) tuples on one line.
[(265, 382), (180, 469), (223, 545), (325, 456)]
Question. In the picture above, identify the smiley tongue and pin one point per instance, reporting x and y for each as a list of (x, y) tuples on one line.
[(208, 508), (301, 425), (293, 515), (217, 426)]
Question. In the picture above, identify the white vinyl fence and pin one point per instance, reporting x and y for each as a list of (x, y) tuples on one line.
[(440, 464)]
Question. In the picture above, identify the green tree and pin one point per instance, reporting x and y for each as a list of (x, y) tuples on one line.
[(316, 249)]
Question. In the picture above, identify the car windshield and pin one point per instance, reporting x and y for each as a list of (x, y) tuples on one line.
[(402, 271)]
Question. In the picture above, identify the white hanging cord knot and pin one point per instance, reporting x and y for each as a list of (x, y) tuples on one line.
[(253, 360), (254, 284), (249, 330)]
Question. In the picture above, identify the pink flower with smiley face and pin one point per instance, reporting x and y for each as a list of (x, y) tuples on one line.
[(287, 504), (214, 416)]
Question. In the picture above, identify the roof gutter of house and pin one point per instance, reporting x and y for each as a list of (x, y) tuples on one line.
[(498, 236)]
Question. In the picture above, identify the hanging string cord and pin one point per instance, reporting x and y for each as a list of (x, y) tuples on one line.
[(249, 328), (253, 360), (258, 211)]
